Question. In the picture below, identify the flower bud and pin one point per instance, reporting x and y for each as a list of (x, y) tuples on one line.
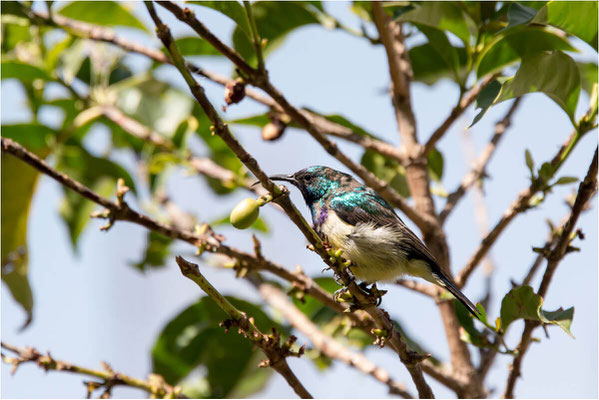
[(234, 92), (273, 130)]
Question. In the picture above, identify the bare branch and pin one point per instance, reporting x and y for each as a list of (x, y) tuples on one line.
[(100, 33), (212, 243), (269, 344), (324, 343), (586, 190), (135, 128), (520, 205), (463, 103), (261, 81), (401, 74), (366, 301), (155, 385), (480, 164), (422, 288)]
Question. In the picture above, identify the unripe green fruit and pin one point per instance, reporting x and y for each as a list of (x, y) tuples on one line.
[(244, 214)]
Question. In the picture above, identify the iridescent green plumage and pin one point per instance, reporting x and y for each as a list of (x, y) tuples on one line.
[(357, 220)]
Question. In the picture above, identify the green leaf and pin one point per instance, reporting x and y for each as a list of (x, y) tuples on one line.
[(435, 164), (15, 30), (546, 171), (523, 303), (256, 120), (12, 8), (195, 46), (518, 43), (105, 13), (343, 121), (588, 73), (429, 66), (157, 249), (153, 103), (231, 9), (529, 162), (470, 334), (314, 309), (34, 137), (23, 72), (99, 174), (565, 180), (578, 18), (274, 21), (18, 183), (388, 170), (560, 317), (442, 15), (519, 14), (194, 339), (439, 42), (485, 99), (553, 73)]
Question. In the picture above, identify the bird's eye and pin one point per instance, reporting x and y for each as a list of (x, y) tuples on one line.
[(307, 178)]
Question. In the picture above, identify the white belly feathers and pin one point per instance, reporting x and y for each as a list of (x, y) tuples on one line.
[(374, 251)]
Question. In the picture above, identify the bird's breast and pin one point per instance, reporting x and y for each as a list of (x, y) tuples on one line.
[(336, 230)]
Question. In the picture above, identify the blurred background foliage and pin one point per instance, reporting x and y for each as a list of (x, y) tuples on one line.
[(528, 45)]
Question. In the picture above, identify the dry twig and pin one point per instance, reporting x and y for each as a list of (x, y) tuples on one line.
[(155, 385)]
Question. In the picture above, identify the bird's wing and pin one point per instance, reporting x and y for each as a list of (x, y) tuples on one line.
[(363, 205)]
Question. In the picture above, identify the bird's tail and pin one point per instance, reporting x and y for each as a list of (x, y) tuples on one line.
[(451, 287)]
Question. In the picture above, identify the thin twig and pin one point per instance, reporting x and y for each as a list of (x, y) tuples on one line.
[(520, 205), (422, 288), (210, 243), (586, 189), (135, 128), (400, 71), (481, 162), (261, 80), (324, 343), (100, 33), (463, 103), (271, 345), (366, 301), (155, 385), (256, 40)]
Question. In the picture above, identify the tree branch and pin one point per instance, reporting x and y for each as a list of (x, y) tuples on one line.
[(586, 189), (270, 345), (324, 343), (212, 243), (155, 385), (400, 71), (520, 205), (364, 300), (463, 103), (262, 81), (478, 171), (100, 33)]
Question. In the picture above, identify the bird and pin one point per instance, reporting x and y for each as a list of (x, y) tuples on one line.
[(355, 219)]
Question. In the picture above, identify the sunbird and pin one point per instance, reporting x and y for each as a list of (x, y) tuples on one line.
[(354, 218)]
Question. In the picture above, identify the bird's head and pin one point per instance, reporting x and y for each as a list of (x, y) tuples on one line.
[(316, 182)]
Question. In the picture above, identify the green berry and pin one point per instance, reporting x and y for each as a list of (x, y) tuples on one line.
[(244, 214)]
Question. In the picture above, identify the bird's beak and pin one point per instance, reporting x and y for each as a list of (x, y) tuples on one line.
[(286, 178)]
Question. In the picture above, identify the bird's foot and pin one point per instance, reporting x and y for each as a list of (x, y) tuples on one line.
[(343, 295), (373, 291)]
